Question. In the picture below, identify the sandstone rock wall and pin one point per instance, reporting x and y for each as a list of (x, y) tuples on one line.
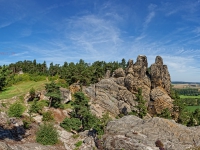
[(118, 92)]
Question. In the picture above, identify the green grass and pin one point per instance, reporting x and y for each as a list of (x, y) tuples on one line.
[(21, 89), (185, 96), (192, 108)]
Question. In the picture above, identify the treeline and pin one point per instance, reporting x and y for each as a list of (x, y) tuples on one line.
[(81, 72), (188, 92), (191, 101)]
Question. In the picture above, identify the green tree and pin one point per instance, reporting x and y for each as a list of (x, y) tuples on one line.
[(47, 134), (16, 110), (165, 114), (142, 109), (71, 123), (3, 74), (32, 93), (53, 91)]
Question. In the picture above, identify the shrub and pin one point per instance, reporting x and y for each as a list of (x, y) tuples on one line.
[(78, 144), (26, 124), (47, 134), (32, 92), (47, 116), (37, 106), (16, 110), (71, 123), (34, 108)]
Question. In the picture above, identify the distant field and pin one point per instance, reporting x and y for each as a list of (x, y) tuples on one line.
[(183, 86), (21, 89), (192, 108), (184, 96)]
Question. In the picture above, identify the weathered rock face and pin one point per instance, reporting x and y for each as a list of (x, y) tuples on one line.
[(160, 75), (136, 77), (74, 88), (161, 100), (117, 93), (119, 73), (11, 128), (65, 95), (133, 133), (109, 96)]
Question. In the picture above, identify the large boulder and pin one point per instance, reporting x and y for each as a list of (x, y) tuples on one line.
[(65, 95), (133, 133)]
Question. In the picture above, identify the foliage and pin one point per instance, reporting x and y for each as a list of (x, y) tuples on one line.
[(81, 117), (53, 92), (32, 92), (142, 109), (47, 116), (37, 106), (3, 74), (26, 124), (188, 92), (82, 72), (21, 89), (165, 114), (34, 107), (78, 144), (75, 136), (47, 134), (16, 110), (71, 123)]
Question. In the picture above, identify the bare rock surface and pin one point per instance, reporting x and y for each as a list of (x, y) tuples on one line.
[(65, 95), (161, 99), (133, 133), (160, 75), (109, 96), (119, 91), (136, 77)]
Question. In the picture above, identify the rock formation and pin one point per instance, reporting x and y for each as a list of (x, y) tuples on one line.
[(118, 92), (133, 133), (65, 95)]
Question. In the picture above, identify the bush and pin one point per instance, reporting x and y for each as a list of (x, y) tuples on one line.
[(47, 134), (47, 116), (37, 106), (71, 123), (32, 92), (26, 124), (16, 110), (78, 144), (34, 108)]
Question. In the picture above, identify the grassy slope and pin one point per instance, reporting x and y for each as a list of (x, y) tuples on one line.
[(192, 108), (183, 96), (21, 89)]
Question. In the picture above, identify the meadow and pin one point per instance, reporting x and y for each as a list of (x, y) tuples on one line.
[(21, 89)]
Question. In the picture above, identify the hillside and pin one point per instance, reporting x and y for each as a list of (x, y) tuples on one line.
[(120, 108)]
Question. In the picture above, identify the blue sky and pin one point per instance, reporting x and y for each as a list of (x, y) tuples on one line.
[(109, 30)]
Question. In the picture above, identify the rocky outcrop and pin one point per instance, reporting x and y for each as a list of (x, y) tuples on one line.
[(75, 88), (109, 96), (133, 133), (160, 76), (161, 100), (136, 77), (117, 93), (11, 128), (65, 95)]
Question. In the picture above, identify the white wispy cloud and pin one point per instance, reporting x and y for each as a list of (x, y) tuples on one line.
[(5, 24)]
